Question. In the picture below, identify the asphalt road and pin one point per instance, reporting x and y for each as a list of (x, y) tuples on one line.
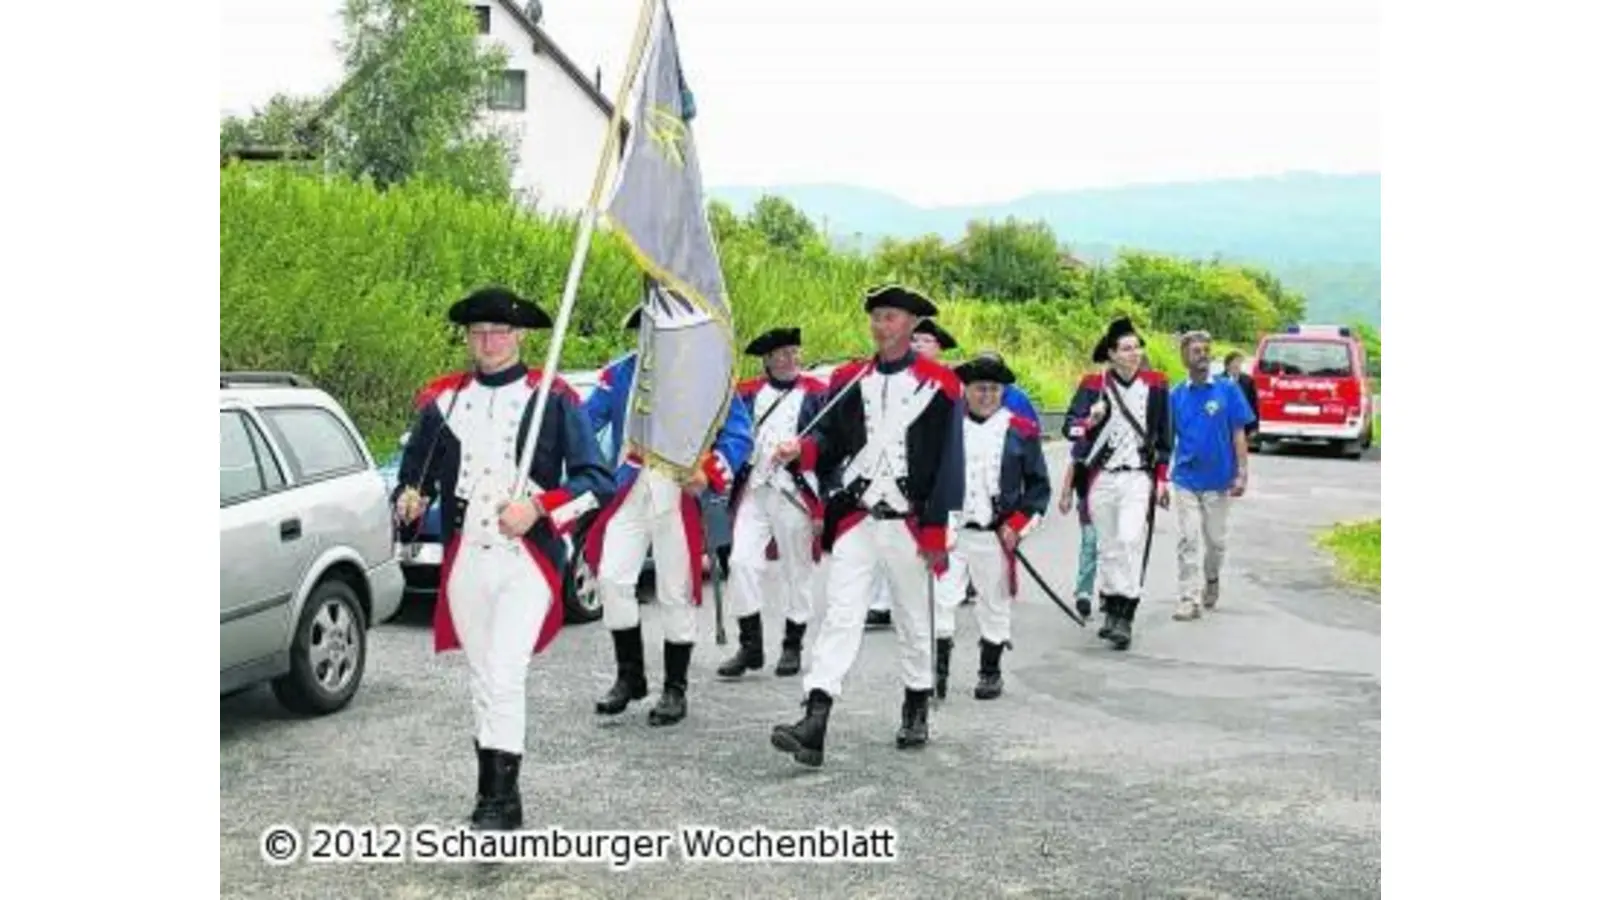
[(1235, 756)]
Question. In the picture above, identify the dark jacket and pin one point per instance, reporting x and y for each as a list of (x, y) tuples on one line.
[(1156, 453), (567, 459), (934, 453), (1024, 478)]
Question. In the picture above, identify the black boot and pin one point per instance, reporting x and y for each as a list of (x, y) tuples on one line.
[(1122, 632), (1110, 607), (804, 738), (913, 719), (673, 705), (750, 656), (789, 662), (941, 665), (485, 782), (990, 683), (503, 812), (630, 684)]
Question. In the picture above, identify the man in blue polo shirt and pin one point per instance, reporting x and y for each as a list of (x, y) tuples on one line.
[(1209, 469)]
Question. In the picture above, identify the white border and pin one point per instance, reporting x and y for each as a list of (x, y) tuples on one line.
[(110, 288)]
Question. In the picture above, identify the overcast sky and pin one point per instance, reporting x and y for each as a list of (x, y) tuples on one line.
[(943, 102)]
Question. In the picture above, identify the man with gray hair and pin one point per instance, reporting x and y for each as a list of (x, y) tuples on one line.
[(1209, 418)]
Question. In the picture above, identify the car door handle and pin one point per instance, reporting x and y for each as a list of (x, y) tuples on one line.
[(289, 529)]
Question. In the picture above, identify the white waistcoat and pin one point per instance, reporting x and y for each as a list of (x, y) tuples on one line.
[(485, 420), (1119, 435), (778, 427), (985, 445), (891, 403)]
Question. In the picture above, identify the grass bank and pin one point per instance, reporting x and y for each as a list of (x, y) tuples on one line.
[(1357, 548)]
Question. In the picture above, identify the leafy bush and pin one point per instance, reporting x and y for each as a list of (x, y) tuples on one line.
[(349, 285)]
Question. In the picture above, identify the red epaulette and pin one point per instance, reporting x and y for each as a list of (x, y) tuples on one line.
[(811, 384), (431, 391), (1152, 378), (940, 374), (1092, 381), (750, 386), (846, 373), (1024, 426), (559, 386)]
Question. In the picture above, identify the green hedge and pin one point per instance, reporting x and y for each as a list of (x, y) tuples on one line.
[(348, 285)]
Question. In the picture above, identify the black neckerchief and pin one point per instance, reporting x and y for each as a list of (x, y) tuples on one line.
[(893, 366), (503, 377)]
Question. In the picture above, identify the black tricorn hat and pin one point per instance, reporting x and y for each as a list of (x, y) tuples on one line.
[(499, 306), (988, 367), (947, 341), (773, 340), (898, 296), (1119, 329)]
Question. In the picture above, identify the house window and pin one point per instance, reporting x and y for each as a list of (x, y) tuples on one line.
[(483, 18), (510, 91)]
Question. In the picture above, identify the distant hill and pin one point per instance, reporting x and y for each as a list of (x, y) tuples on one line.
[(1320, 234)]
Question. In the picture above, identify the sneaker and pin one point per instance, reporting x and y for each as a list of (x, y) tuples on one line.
[(1210, 598), (1187, 610)]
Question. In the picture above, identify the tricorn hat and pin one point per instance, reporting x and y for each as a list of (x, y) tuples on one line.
[(988, 367), (500, 306), (946, 340), (1119, 329), (898, 296), (773, 340)]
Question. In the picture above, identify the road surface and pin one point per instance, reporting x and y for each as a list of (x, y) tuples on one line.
[(1235, 756)]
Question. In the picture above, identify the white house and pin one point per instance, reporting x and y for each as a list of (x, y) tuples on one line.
[(556, 114)]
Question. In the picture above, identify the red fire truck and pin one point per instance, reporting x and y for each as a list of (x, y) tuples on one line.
[(1312, 385)]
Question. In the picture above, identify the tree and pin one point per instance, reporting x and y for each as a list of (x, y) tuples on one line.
[(279, 124), (417, 82), (924, 262), (1290, 306), (1011, 261), (782, 223)]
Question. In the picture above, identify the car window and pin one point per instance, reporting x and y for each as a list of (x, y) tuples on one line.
[(316, 443), (248, 467), (1323, 359)]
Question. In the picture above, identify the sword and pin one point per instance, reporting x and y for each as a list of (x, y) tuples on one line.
[(1149, 533), (1039, 580), (716, 577), (933, 631)]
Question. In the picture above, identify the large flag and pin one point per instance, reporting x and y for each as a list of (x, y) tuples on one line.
[(684, 380)]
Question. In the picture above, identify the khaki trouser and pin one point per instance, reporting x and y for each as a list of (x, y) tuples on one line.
[(1202, 520)]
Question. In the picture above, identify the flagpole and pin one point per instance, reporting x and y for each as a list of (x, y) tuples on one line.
[(585, 234)]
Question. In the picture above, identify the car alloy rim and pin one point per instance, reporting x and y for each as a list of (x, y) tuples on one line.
[(335, 646)]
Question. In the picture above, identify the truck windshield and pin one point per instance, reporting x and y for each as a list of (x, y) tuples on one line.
[(1324, 359)]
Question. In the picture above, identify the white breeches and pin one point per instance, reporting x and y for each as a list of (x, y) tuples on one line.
[(1119, 501), (764, 514), (498, 602), (866, 546), (977, 556), (650, 520)]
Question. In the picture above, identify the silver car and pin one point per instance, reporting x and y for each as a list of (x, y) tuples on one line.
[(308, 559)]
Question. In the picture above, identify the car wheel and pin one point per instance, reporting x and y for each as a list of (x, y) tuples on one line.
[(1350, 449), (328, 654), (580, 595)]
